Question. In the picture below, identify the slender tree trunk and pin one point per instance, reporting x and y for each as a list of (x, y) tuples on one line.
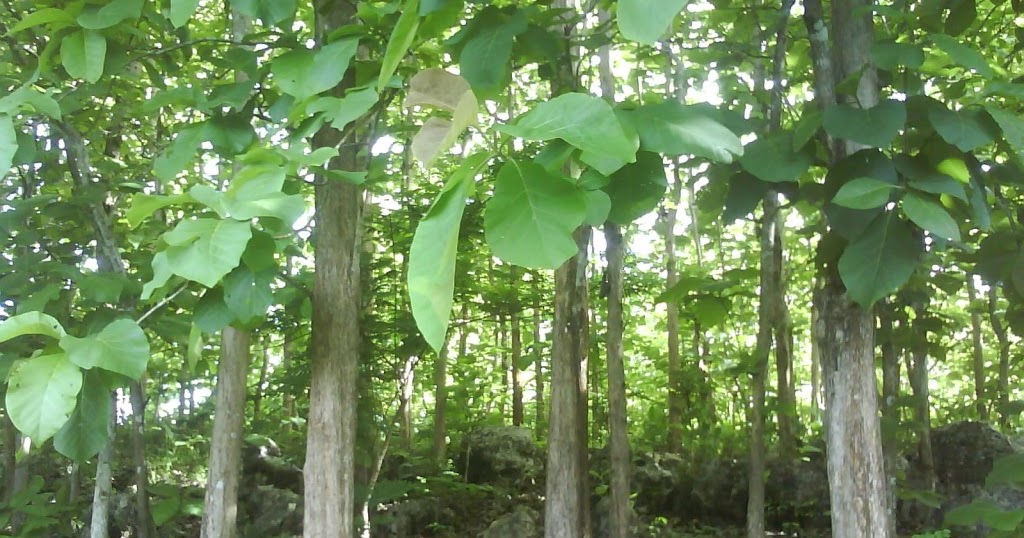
[(220, 507), (288, 399), (1003, 388), (917, 369), (257, 400), (329, 472), (675, 368), (146, 528), (890, 397), (538, 367), (183, 392), (858, 488), (440, 443), (406, 385), (99, 526), (517, 354), (816, 338), (501, 338), (10, 455), (617, 425), (977, 351)]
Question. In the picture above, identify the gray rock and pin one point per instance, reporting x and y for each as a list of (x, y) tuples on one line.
[(500, 455), (522, 523)]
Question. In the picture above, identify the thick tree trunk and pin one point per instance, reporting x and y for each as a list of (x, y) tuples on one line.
[(329, 472), (220, 507), (977, 351), (617, 425), (99, 526)]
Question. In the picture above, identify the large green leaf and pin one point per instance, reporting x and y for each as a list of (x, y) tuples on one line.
[(880, 261), (83, 54), (143, 205), (645, 21), (248, 294), (204, 250), (672, 128), (1012, 127), (931, 216), (876, 126), (863, 193), (966, 129), (85, 433), (432, 255), (42, 393), (744, 194), (440, 89), (485, 61), (255, 191), (304, 73), (531, 218), (345, 110), (30, 323), (401, 39), (39, 17), (637, 188), (773, 159), (889, 55), (8, 143), (963, 55), (181, 11), (183, 151), (115, 11), (271, 12), (583, 120), (120, 347)]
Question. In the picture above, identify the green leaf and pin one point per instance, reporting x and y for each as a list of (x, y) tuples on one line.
[(980, 212), (255, 191), (85, 433), (637, 188), (305, 73), (204, 250), (1012, 127), (1007, 470), (583, 120), (30, 323), (530, 220), (432, 256), (211, 312), (744, 194), (161, 274), (401, 39), (344, 111), (441, 89), (931, 216), (97, 18), (183, 151), (485, 61), (966, 129), (984, 512), (8, 143), (807, 127), (144, 205), (42, 393), (83, 54), (773, 159), (876, 126), (880, 261), (182, 11), (863, 193), (271, 12), (43, 16), (889, 56), (599, 205), (963, 55), (248, 294), (645, 21), (672, 128), (194, 352), (120, 347)]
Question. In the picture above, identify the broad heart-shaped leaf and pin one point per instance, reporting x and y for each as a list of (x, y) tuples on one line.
[(97, 18), (120, 347), (255, 191), (304, 73), (530, 220), (161, 274), (744, 194), (637, 188), (583, 120), (773, 159), (966, 129), (599, 205), (931, 216), (1012, 126), (485, 61), (963, 55), (30, 323), (181, 11), (890, 55), (645, 21), (344, 111), (875, 126), (439, 88), (248, 294), (8, 143), (183, 151), (85, 433), (212, 313), (433, 252), (204, 250), (880, 261), (398, 44), (83, 54), (42, 393), (672, 128), (143, 205), (863, 193)]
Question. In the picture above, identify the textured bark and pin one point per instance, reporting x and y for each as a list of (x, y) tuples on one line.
[(440, 439), (1003, 387), (977, 352), (145, 527), (917, 371), (99, 526), (257, 399), (329, 472), (617, 425), (220, 506), (890, 398), (675, 368), (10, 454), (517, 354)]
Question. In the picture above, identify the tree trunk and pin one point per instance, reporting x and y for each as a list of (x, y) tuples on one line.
[(220, 506), (288, 399), (517, 355), (538, 367), (145, 526), (329, 472), (99, 526), (440, 443), (890, 396), (1003, 389), (917, 370), (406, 385), (10, 456), (617, 425), (977, 351), (675, 368), (257, 400)]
